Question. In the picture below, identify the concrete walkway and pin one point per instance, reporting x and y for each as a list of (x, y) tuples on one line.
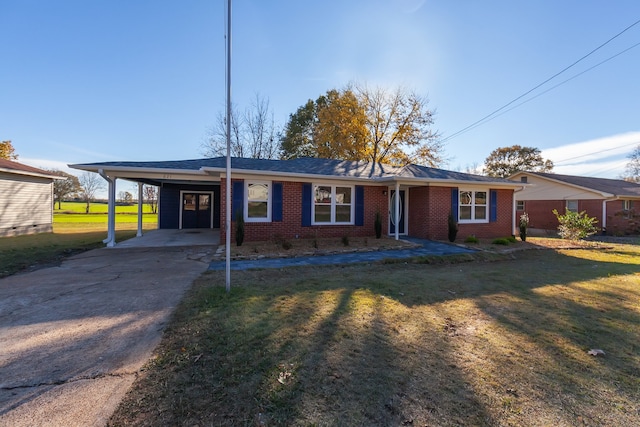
[(426, 248), (74, 337)]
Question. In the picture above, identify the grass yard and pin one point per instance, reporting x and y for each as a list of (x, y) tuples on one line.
[(501, 343), (73, 232)]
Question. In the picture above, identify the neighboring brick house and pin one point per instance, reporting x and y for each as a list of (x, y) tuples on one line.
[(613, 202), (26, 199), (311, 197)]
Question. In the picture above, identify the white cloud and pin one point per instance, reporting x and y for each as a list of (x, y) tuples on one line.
[(48, 164), (607, 169), (595, 149)]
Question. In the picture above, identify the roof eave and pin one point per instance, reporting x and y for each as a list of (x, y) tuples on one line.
[(28, 173)]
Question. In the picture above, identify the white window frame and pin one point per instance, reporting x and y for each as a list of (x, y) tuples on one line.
[(626, 205), (473, 205), (567, 205), (518, 202), (333, 204), (248, 183)]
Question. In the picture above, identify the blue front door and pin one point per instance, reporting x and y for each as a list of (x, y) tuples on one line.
[(393, 221)]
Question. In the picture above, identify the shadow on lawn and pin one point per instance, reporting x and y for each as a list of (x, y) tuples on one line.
[(396, 345)]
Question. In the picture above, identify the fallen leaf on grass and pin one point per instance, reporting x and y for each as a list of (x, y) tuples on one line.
[(596, 352)]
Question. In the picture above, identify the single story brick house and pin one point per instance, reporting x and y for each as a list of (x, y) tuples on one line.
[(26, 199), (612, 202), (312, 197)]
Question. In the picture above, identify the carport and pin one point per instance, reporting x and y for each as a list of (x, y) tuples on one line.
[(188, 196)]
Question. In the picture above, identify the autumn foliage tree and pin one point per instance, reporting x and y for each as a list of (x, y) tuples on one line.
[(504, 162), (361, 123), (7, 151)]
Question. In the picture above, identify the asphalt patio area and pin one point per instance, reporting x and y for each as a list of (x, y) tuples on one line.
[(73, 337)]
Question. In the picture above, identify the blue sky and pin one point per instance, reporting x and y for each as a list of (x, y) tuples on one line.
[(88, 81)]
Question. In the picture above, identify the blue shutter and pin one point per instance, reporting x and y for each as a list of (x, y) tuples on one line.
[(359, 220), (454, 203), (306, 205), (276, 202), (493, 200), (237, 199)]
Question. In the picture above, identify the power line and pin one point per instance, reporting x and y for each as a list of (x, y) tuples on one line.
[(480, 123), (596, 152), (539, 85)]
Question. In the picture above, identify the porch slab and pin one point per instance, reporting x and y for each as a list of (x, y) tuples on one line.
[(164, 237)]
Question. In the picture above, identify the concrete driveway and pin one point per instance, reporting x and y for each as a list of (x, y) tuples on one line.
[(73, 337)]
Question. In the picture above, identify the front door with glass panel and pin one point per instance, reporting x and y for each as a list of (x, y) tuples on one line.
[(393, 220), (196, 210)]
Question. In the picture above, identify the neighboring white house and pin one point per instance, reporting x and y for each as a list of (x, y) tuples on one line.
[(26, 199)]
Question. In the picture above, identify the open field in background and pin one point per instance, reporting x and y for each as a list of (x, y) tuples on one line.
[(97, 208), (470, 343), (72, 233)]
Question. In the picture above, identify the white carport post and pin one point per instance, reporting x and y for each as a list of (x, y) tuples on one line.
[(111, 210), (140, 205), (396, 209)]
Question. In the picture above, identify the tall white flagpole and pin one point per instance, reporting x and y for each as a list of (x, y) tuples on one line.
[(227, 224)]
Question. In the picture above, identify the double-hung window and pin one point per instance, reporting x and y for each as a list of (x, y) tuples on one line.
[(332, 204), (473, 206), (257, 201)]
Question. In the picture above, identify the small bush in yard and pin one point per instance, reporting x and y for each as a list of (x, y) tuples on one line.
[(239, 229), (452, 225), (471, 239), (501, 241), (523, 225), (511, 239), (575, 225), (345, 240)]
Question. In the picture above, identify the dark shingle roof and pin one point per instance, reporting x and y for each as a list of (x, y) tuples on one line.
[(308, 166), (617, 187), (416, 171)]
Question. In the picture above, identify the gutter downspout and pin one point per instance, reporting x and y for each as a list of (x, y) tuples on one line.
[(513, 211), (140, 205), (396, 208), (111, 212)]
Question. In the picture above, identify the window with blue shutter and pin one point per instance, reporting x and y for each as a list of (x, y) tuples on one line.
[(454, 203), (359, 205), (306, 205), (276, 200), (493, 206), (237, 199)]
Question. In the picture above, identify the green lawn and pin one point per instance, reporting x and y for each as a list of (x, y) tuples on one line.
[(73, 232), (98, 208), (473, 343)]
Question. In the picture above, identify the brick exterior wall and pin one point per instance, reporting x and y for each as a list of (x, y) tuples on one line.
[(429, 209), (291, 227), (541, 214), (620, 222)]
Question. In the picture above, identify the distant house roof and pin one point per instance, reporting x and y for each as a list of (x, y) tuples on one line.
[(614, 187), (9, 166), (301, 167)]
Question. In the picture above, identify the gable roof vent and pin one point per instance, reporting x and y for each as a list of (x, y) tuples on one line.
[(523, 179)]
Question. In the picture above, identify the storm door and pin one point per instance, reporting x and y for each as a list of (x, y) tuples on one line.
[(393, 221)]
